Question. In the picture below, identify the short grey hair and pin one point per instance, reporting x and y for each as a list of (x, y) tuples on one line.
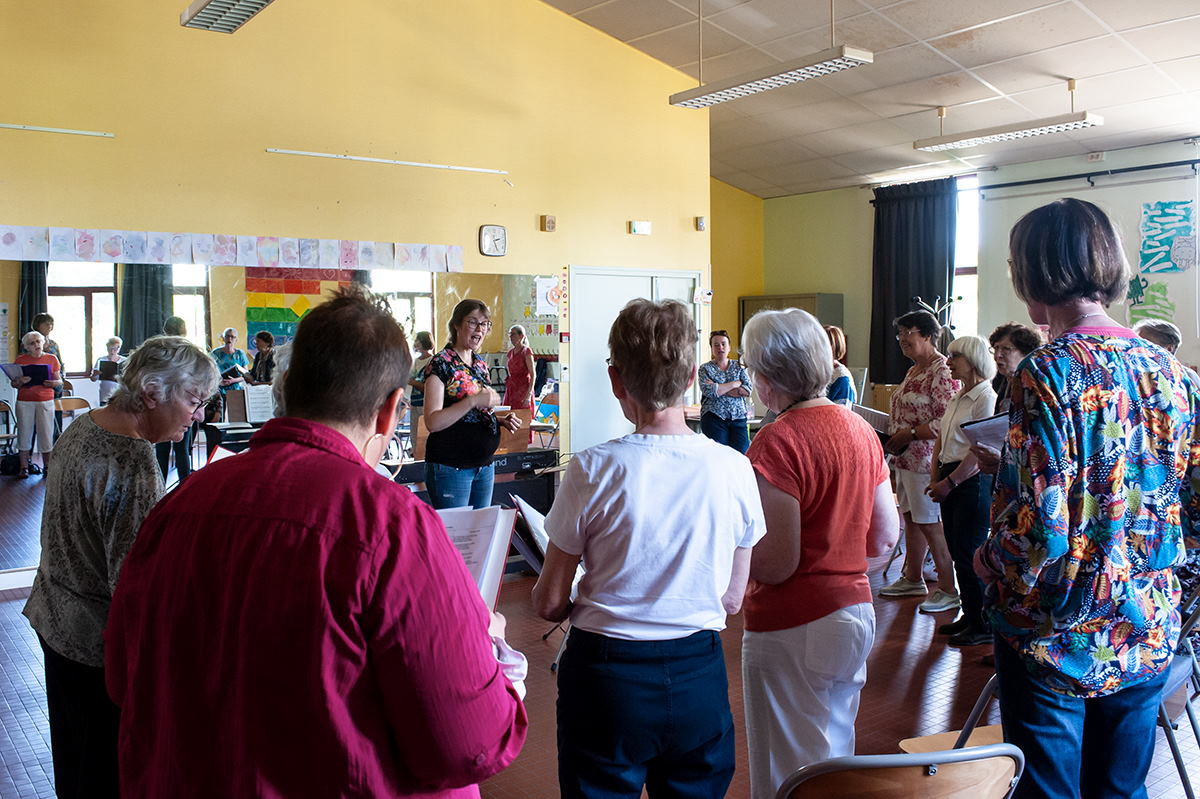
[(30, 336), (164, 367), (976, 351), (229, 330), (1161, 332), (114, 340), (283, 359), (790, 350)]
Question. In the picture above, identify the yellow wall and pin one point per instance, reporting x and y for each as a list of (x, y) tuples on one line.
[(10, 281), (822, 242), (449, 289), (227, 303), (737, 253)]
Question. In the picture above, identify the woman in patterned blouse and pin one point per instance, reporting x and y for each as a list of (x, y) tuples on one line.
[(463, 430), (917, 407), (1086, 518), (724, 387)]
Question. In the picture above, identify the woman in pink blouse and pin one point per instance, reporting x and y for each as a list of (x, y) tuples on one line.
[(916, 408)]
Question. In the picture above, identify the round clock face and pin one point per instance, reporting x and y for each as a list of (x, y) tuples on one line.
[(493, 240)]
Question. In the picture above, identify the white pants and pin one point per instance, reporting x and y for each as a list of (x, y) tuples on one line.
[(801, 688), (30, 414)]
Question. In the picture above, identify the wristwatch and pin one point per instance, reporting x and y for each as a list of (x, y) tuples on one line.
[(912, 431), (950, 479)]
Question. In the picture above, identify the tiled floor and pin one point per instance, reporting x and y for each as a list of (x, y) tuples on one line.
[(916, 684)]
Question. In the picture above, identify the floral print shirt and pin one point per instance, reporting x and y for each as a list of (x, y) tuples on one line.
[(921, 399), (724, 407), (1092, 499), (462, 381)]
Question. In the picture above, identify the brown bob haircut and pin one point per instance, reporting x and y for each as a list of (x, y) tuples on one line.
[(1067, 250), (837, 342), (653, 348), (1023, 337), (461, 311), (348, 355)]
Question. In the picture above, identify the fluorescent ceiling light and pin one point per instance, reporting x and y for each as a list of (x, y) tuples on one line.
[(825, 62), (1036, 127), (223, 16)]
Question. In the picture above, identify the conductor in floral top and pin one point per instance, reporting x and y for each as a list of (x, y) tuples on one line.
[(724, 389), (1086, 518), (464, 431)]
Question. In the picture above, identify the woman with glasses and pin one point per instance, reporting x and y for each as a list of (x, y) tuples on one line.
[(1011, 342), (105, 481), (724, 391), (464, 431), (917, 407), (1092, 495)]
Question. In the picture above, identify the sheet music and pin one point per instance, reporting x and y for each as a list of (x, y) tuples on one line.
[(481, 537), (260, 404), (536, 522), (877, 419), (990, 432)]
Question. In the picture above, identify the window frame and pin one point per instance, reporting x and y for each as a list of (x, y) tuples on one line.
[(86, 292)]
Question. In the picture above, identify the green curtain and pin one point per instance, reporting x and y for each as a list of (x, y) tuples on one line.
[(145, 302)]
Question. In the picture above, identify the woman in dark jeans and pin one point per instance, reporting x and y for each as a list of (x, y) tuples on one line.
[(964, 492)]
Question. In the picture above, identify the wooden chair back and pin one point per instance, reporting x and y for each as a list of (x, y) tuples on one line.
[(983, 772), (9, 421), (881, 396), (68, 405)]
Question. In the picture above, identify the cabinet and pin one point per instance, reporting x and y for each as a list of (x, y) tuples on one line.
[(826, 307)]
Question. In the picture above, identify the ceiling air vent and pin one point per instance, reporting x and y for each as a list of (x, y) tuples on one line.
[(222, 16)]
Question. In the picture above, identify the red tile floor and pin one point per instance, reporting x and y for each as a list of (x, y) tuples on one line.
[(915, 685)]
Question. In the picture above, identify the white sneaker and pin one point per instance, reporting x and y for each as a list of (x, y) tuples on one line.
[(940, 601), (905, 587)]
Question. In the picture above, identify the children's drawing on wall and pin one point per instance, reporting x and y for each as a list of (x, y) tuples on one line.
[(1149, 301), (1168, 237)]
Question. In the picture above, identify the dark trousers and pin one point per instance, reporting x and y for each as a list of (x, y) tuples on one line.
[(83, 728), (652, 713), (183, 455), (730, 432), (966, 513), (1097, 748)]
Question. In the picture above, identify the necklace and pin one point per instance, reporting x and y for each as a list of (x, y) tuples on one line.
[(793, 405), (1079, 319)]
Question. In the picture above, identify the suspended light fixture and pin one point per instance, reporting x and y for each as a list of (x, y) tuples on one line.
[(826, 62), (1076, 120), (222, 16)]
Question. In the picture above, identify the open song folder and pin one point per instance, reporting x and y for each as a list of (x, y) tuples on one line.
[(482, 538)]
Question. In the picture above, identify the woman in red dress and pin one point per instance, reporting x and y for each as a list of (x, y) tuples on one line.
[(518, 387)]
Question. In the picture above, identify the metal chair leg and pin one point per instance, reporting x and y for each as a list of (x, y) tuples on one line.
[(1169, 731)]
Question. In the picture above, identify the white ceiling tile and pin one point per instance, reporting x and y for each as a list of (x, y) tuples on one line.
[(747, 131), (1018, 36), (1181, 109), (1165, 42), (1184, 71), (761, 21), (574, 6), (950, 89), (974, 116), (723, 112), (899, 65), (725, 66), (1080, 60), (1118, 88), (760, 156), (817, 117), (678, 45), (855, 137), (884, 159), (750, 183), (816, 169), (868, 31), (928, 18), (1122, 14), (629, 19)]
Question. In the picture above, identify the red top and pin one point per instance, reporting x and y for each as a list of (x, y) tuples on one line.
[(326, 642), (520, 381), (831, 461), (37, 393)]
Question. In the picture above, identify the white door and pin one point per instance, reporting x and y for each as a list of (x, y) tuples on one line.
[(597, 296)]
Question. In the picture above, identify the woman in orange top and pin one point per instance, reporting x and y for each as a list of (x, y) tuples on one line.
[(35, 400)]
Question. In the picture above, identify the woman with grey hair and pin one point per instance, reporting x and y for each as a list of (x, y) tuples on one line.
[(35, 398), (809, 620), (105, 481), (957, 484)]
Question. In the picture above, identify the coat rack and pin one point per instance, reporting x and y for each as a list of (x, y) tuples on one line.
[(938, 308)]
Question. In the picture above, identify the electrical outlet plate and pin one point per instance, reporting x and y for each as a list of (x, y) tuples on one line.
[(639, 228)]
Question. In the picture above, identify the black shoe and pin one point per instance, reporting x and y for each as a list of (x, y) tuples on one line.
[(988, 660), (971, 637), (955, 627)]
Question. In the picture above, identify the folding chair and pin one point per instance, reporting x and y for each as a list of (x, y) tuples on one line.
[(980, 772), (69, 405), (9, 436), (970, 735), (1182, 675)]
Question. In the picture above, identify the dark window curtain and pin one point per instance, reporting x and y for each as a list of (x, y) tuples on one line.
[(362, 276), (145, 302), (913, 257), (33, 296)]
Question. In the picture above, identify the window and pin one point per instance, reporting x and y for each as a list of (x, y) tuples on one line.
[(83, 302), (189, 301), (411, 298), (965, 311)]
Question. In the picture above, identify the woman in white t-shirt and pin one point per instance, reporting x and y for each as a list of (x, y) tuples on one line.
[(108, 384), (663, 521)]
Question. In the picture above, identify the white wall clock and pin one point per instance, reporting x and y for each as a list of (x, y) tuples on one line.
[(493, 240)]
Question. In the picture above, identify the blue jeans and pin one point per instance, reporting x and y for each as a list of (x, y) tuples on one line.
[(1091, 748), (652, 713), (450, 487), (730, 432)]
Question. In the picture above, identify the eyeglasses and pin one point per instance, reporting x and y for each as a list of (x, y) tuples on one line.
[(475, 324), (1001, 350), (196, 402), (906, 333)]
